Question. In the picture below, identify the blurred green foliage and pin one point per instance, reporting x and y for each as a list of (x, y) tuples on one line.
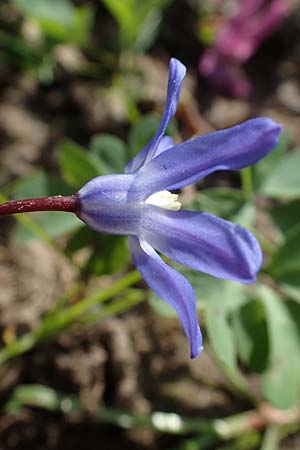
[(58, 20), (36, 28), (138, 22)]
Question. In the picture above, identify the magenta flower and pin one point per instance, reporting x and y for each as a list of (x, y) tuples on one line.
[(237, 41), (139, 204)]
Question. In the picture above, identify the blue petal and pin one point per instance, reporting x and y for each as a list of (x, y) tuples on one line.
[(104, 206), (176, 74), (203, 242), (165, 143), (186, 163), (171, 286)]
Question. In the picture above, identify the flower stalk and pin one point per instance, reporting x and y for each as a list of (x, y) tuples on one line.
[(247, 182), (68, 203), (225, 429), (60, 319)]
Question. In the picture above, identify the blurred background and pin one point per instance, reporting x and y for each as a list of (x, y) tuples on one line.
[(89, 357)]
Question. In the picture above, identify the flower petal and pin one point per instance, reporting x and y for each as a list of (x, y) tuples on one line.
[(165, 143), (186, 163), (171, 286), (103, 205), (203, 242), (176, 74)]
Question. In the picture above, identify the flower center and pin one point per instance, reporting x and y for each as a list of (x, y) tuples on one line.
[(164, 199)]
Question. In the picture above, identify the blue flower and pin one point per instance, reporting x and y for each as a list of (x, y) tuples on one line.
[(139, 204)]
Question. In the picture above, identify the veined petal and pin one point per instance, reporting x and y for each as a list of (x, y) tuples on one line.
[(104, 206), (171, 286), (165, 143), (203, 242), (186, 163), (176, 74)]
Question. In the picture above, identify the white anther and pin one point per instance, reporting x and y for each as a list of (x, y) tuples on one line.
[(164, 199)]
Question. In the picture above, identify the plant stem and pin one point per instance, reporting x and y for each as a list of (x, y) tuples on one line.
[(127, 301), (68, 203), (54, 323), (32, 226), (68, 316), (247, 184), (225, 429), (271, 438)]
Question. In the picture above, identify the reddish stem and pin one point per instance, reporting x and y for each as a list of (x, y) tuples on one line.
[(57, 203)]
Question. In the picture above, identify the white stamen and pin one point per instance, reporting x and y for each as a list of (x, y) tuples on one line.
[(164, 199)]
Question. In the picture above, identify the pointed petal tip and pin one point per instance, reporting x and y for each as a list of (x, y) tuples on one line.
[(276, 127), (177, 72), (255, 265), (177, 65), (250, 280), (195, 353), (171, 286), (233, 148), (269, 126), (251, 276), (196, 345), (251, 255)]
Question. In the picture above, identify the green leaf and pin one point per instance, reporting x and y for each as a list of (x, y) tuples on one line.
[(224, 202), (53, 223), (219, 298), (160, 306), (284, 180), (39, 184), (264, 169), (77, 165), (220, 334), (207, 289), (141, 133), (15, 51), (138, 21), (229, 295), (286, 216), (287, 258), (111, 152), (59, 11), (294, 309), (251, 335), (59, 19), (290, 284), (284, 267), (281, 382), (83, 237), (110, 254), (149, 30)]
